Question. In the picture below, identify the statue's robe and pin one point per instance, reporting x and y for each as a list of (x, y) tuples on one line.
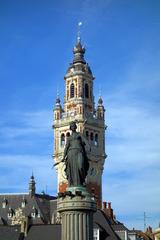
[(77, 164)]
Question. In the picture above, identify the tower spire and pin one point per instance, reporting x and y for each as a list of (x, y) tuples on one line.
[(32, 188), (79, 32), (79, 50)]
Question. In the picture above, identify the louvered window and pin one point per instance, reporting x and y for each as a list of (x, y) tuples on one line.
[(72, 90)]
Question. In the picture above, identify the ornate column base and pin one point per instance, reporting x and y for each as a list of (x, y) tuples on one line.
[(76, 207)]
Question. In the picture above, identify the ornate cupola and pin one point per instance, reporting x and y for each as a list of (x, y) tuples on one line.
[(79, 53), (79, 106), (32, 187)]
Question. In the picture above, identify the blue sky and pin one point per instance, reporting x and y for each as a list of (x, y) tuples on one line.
[(122, 41)]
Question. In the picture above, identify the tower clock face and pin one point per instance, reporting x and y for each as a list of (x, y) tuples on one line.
[(72, 114)]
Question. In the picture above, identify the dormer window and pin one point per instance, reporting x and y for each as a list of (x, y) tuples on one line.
[(23, 204), (96, 234), (34, 212), (10, 213), (4, 203), (39, 214), (72, 90)]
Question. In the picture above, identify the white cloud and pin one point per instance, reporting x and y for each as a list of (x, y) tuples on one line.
[(132, 169), (16, 170)]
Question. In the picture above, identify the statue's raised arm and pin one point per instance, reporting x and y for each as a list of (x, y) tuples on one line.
[(75, 156)]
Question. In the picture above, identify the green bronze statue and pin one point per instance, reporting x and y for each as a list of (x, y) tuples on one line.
[(75, 157)]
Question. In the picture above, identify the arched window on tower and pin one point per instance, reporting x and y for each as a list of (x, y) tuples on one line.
[(87, 135), (91, 137), (72, 90), (96, 140), (68, 134), (62, 140), (86, 90)]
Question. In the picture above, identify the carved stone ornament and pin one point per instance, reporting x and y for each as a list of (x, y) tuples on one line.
[(18, 218)]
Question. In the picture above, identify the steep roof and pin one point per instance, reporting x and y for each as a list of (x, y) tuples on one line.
[(47, 232), (106, 231), (39, 203)]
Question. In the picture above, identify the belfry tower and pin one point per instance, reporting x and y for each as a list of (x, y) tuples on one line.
[(79, 106)]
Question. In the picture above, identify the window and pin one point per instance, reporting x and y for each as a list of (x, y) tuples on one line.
[(39, 214), (68, 134), (33, 214), (91, 137), (72, 90), (62, 140), (96, 234), (86, 91), (23, 204), (10, 213), (96, 140), (87, 134), (4, 203)]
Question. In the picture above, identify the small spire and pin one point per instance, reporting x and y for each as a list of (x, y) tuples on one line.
[(100, 101), (100, 91), (57, 91)]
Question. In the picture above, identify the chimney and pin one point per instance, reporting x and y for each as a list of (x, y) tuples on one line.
[(149, 229), (110, 210), (104, 205), (109, 205)]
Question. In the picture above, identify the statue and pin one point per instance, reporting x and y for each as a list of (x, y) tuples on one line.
[(75, 157)]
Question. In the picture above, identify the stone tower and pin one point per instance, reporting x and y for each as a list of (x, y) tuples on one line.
[(79, 106)]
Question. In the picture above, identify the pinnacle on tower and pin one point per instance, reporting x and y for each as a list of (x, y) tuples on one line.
[(100, 109)]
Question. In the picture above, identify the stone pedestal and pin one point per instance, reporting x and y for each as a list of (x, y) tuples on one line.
[(76, 207)]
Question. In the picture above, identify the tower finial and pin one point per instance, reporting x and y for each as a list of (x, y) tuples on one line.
[(79, 32), (57, 91), (100, 91)]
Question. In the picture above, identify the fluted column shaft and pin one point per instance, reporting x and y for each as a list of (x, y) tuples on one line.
[(76, 216)]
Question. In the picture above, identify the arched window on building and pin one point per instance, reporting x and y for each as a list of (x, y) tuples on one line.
[(68, 134), (96, 140), (91, 137), (72, 90), (62, 140), (87, 135), (86, 90)]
